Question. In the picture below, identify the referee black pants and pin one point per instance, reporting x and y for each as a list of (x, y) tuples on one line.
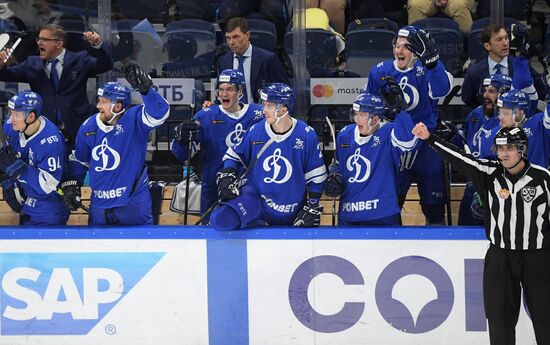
[(505, 273)]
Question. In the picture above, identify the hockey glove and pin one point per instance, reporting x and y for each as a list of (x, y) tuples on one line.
[(227, 188), (9, 162), (13, 195), (310, 215), (185, 130), (334, 185), (393, 97), (477, 207), (423, 47), (138, 79), (518, 42), (71, 194), (447, 131)]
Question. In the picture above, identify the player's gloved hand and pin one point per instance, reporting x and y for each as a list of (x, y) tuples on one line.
[(184, 130), (477, 207), (334, 184), (138, 79), (310, 215), (71, 194), (519, 44), (13, 194), (423, 47), (225, 180), (9, 162), (393, 97), (446, 130)]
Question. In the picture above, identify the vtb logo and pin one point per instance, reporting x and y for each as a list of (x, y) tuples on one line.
[(65, 293), (325, 90)]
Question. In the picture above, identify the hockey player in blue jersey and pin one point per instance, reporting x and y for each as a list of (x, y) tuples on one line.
[(483, 119), (513, 107), (218, 128), (111, 145), (424, 81), (34, 162), (285, 170), (368, 154), (478, 124)]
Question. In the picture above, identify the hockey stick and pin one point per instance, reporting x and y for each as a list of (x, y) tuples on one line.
[(188, 162), (334, 163), (12, 49), (236, 183), (447, 165)]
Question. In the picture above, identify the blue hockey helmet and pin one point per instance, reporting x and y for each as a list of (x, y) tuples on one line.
[(231, 76), (408, 31), (514, 99), (279, 93), (501, 82), (369, 103), (26, 102), (116, 92)]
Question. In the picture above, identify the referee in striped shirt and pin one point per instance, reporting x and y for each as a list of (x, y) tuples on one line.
[(516, 195)]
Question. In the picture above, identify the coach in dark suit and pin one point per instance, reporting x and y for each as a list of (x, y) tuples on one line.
[(495, 40), (60, 76), (259, 66)]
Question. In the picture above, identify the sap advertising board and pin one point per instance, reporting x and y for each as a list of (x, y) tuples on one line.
[(176, 285)]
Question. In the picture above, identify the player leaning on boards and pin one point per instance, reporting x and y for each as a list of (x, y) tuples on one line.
[(33, 161), (111, 145), (286, 169), (516, 195)]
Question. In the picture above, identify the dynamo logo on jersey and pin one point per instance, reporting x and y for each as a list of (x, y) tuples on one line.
[(65, 293)]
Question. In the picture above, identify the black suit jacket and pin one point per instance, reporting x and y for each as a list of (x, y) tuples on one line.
[(480, 70), (70, 99), (265, 68)]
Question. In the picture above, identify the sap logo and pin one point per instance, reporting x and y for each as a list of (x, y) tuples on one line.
[(65, 293)]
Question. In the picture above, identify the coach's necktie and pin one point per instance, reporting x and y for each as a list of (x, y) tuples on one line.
[(498, 68), (54, 77), (240, 68)]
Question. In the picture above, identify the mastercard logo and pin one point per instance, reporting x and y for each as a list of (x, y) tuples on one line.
[(325, 90)]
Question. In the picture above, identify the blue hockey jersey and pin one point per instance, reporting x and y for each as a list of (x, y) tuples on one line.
[(219, 131), (44, 153), (115, 155), (369, 167), (422, 88), (537, 129), (291, 162)]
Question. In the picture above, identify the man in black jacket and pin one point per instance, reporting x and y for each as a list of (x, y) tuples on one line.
[(516, 199)]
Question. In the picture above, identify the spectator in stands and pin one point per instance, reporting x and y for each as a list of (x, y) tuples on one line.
[(459, 10), (497, 43), (336, 10), (259, 66), (424, 80), (395, 10), (60, 76)]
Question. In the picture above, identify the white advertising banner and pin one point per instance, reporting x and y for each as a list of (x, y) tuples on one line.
[(345, 90), (177, 91), (273, 286), (91, 292)]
